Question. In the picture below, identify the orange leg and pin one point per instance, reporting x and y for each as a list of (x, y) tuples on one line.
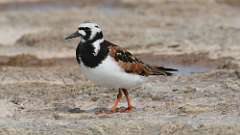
[(129, 108), (119, 96)]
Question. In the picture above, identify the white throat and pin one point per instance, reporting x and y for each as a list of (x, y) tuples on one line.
[(82, 40), (96, 45)]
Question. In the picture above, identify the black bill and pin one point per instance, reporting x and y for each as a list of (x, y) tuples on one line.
[(74, 35)]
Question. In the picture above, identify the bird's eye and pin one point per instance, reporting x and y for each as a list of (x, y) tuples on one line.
[(97, 26)]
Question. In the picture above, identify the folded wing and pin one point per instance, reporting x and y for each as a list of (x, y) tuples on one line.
[(133, 65)]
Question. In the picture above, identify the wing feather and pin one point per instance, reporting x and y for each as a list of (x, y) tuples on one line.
[(134, 65)]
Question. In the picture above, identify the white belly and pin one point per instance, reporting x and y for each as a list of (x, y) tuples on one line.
[(109, 74)]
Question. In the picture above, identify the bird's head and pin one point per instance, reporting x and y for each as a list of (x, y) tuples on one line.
[(88, 32)]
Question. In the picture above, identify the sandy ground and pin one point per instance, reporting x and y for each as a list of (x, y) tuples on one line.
[(42, 90)]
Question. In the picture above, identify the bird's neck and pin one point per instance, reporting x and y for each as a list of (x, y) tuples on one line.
[(91, 53), (92, 47)]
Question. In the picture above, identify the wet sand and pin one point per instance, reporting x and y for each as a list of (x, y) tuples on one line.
[(42, 90)]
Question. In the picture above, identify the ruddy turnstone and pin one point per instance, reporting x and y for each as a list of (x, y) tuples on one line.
[(109, 65)]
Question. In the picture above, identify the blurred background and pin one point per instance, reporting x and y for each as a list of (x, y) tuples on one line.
[(38, 27), (40, 80)]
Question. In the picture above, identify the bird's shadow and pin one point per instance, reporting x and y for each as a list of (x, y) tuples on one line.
[(94, 110), (98, 110)]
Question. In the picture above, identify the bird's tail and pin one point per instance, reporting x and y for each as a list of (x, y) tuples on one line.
[(156, 70)]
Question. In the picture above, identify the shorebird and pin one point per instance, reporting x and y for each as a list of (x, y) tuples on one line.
[(109, 65)]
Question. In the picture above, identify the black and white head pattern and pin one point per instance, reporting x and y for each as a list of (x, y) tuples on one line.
[(91, 34)]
